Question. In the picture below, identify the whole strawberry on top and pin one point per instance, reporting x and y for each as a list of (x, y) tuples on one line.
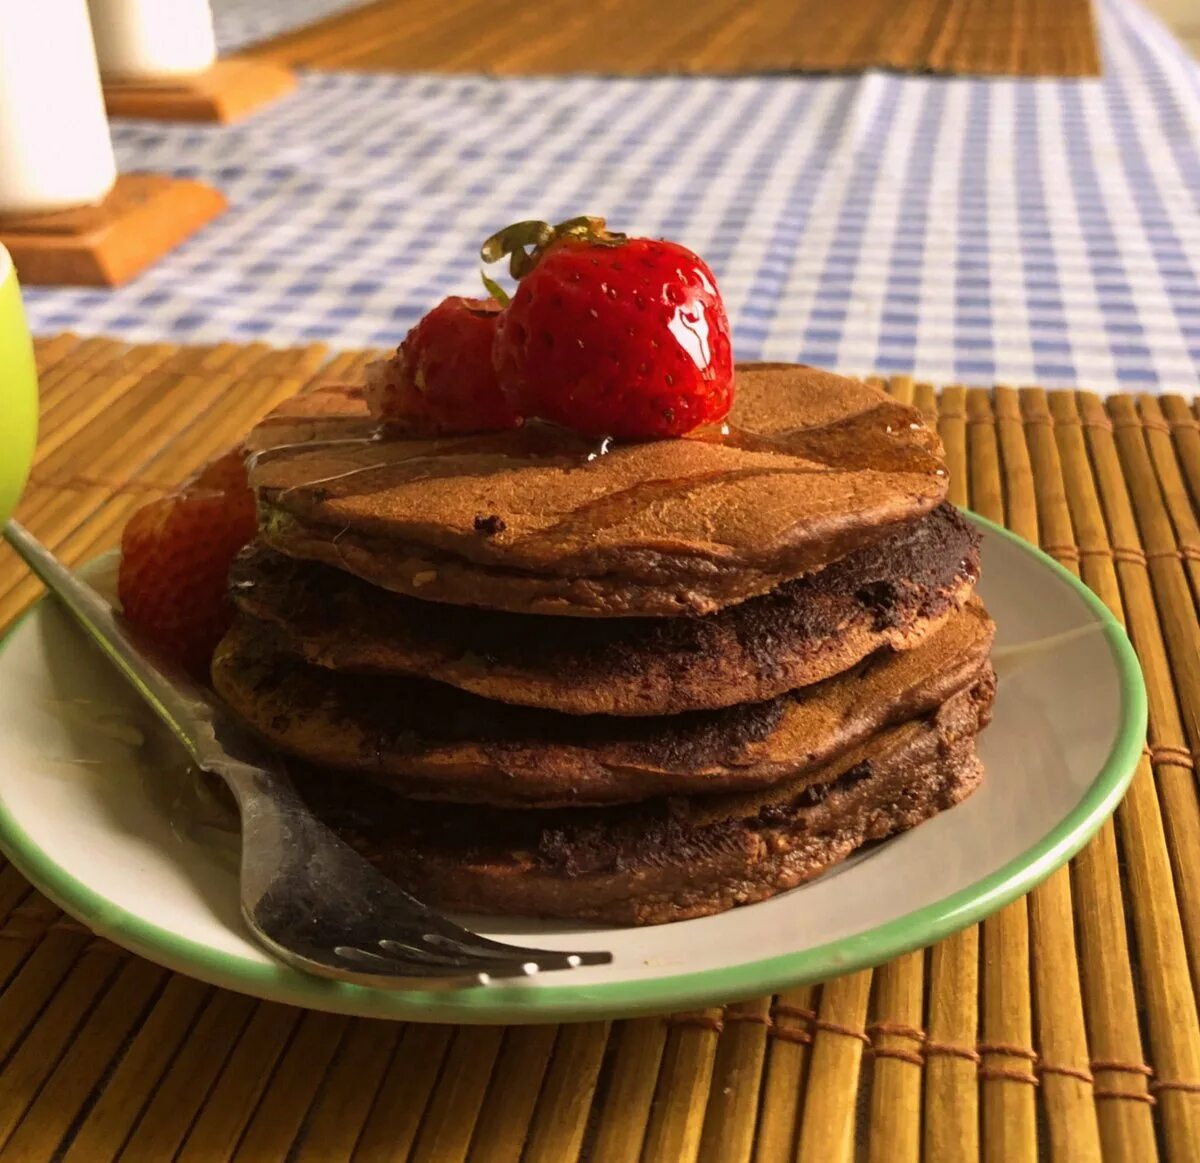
[(609, 335), (441, 379)]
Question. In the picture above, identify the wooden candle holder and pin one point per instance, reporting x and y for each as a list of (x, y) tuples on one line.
[(230, 90), (143, 217)]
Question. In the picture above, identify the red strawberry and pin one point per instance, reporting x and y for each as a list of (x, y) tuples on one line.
[(611, 336), (226, 474), (441, 377), (175, 558)]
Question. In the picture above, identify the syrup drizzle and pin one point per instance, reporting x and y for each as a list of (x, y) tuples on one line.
[(877, 439), (274, 451)]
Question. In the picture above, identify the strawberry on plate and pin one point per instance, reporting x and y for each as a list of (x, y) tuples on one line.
[(441, 379), (608, 335), (175, 558)]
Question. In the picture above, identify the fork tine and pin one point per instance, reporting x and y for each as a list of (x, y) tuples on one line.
[(387, 965), (489, 961), (465, 942), (349, 964), (440, 929), (401, 966)]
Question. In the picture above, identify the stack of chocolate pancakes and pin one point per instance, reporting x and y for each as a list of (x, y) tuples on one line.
[(528, 673)]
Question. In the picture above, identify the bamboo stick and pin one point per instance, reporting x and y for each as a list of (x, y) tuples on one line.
[(395, 1118), (1173, 599), (1169, 992), (786, 1075), (48, 1038), (896, 1031), (92, 1049), (952, 427), (171, 1106), (231, 1101), (141, 1072), (48, 350), (1174, 495), (1009, 1131), (1110, 994), (677, 1114), (1172, 751), (289, 1094), (337, 1114), (729, 1124), (93, 352), (902, 388), (1185, 432), (507, 1110), (624, 1110), (14, 888), (898, 1040), (35, 967), (86, 396), (80, 542), (951, 1089), (1066, 1092), (560, 1119), (450, 1118), (827, 1130)]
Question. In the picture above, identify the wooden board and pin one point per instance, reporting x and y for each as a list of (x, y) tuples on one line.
[(633, 38), (144, 217), (1063, 1028), (229, 91)]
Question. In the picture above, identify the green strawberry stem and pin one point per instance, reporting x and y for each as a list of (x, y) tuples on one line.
[(494, 289), (525, 242)]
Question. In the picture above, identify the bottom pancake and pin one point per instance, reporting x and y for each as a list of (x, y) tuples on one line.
[(668, 859)]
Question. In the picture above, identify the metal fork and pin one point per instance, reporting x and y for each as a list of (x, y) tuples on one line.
[(311, 899)]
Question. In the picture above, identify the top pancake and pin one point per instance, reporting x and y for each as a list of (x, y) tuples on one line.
[(538, 520)]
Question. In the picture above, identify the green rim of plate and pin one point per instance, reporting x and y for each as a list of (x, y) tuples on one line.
[(555, 1003)]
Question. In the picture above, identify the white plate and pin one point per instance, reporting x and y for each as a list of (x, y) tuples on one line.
[(87, 786)]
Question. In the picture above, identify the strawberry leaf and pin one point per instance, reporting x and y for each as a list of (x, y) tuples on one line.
[(494, 289)]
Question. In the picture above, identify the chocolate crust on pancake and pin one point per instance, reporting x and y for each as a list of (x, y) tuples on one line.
[(665, 860), (894, 592), (534, 520), (431, 741)]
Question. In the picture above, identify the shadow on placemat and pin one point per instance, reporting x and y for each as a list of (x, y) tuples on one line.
[(635, 38)]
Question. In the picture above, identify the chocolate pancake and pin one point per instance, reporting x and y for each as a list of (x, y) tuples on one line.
[(539, 520), (665, 860), (433, 741), (894, 592)]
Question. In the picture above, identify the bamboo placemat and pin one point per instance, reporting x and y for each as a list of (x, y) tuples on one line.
[(634, 38), (1063, 1028)]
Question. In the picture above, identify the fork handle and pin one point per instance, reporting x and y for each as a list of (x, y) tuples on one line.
[(177, 700)]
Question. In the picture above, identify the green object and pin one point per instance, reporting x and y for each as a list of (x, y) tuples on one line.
[(18, 391)]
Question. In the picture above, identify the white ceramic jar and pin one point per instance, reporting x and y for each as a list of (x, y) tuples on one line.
[(55, 149), (148, 39)]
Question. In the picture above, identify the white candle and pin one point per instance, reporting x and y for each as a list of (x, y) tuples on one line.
[(145, 39), (55, 150)]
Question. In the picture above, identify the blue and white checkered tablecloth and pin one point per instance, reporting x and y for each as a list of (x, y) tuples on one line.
[(962, 230)]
